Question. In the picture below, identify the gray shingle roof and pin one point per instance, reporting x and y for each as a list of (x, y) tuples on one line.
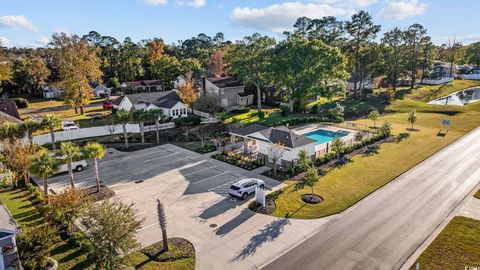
[(245, 131), (163, 99), (225, 82), (286, 137)]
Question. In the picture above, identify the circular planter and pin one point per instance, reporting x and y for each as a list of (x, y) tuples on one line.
[(311, 199), (53, 264)]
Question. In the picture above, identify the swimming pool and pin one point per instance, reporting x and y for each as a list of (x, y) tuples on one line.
[(324, 136)]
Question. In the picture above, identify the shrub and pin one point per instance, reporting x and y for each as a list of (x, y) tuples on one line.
[(21, 103), (402, 136), (285, 109), (261, 114), (315, 108), (191, 120), (34, 246), (76, 239), (240, 111)]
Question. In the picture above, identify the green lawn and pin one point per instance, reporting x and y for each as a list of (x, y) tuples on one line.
[(346, 185), (477, 195), (455, 248), (271, 116), (25, 214)]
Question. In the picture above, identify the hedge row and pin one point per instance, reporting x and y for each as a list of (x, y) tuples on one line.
[(237, 160)]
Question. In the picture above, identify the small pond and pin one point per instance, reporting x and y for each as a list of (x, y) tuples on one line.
[(459, 98)]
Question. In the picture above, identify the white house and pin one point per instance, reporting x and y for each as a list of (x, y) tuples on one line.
[(100, 89), (259, 140), (168, 101), (366, 84), (231, 92), (8, 245), (52, 92)]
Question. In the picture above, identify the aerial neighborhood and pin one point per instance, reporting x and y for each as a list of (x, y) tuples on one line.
[(347, 138)]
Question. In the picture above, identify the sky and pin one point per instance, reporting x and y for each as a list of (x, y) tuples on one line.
[(31, 23)]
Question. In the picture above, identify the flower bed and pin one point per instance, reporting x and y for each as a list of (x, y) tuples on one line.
[(237, 160), (206, 149)]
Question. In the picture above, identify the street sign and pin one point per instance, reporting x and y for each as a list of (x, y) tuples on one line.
[(260, 196)]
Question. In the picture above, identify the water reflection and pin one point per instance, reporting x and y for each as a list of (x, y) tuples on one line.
[(459, 98)]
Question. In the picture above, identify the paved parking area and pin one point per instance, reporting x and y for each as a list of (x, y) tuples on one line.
[(193, 188), (201, 173)]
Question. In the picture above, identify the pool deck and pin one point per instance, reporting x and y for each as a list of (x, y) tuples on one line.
[(312, 127)]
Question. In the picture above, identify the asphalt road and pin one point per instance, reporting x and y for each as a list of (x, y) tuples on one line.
[(383, 231)]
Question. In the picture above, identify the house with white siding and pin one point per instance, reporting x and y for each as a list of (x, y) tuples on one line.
[(231, 92), (168, 101), (258, 141)]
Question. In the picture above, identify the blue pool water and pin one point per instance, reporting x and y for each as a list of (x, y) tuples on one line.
[(324, 136)]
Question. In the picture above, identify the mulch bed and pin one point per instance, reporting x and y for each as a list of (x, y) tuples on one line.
[(267, 210), (105, 193), (311, 199)]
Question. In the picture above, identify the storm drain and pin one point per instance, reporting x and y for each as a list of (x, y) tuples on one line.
[(138, 181)]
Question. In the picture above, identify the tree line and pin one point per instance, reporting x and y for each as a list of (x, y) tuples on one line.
[(314, 59)]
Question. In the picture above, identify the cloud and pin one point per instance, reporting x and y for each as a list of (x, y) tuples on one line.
[(12, 21), (348, 3), (155, 2), (42, 41), (193, 3), (281, 17), (399, 10), (5, 42)]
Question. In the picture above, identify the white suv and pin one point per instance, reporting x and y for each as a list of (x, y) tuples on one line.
[(76, 166), (245, 187), (69, 125)]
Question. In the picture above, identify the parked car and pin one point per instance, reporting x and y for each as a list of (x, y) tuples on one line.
[(69, 125), (76, 165), (245, 187), (107, 105)]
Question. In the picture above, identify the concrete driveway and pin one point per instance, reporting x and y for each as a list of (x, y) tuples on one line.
[(193, 187)]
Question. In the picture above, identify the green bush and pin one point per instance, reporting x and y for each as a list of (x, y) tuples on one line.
[(315, 108), (21, 103), (76, 239), (285, 109), (34, 246), (240, 111), (261, 114), (191, 120)]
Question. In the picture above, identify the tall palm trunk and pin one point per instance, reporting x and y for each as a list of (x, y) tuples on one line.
[(95, 171), (164, 239), (45, 187), (70, 173), (52, 135), (124, 127), (142, 132), (259, 98), (157, 129)]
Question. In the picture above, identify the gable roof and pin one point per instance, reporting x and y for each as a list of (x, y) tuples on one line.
[(143, 83), (285, 136), (9, 107), (7, 223), (224, 82), (163, 99), (247, 130)]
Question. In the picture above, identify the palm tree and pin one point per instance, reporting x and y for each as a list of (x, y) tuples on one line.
[(374, 115), (51, 122), (94, 151), (44, 166), (123, 117), (29, 127), (337, 145), (158, 116), (10, 131), (69, 151), (140, 117), (162, 221)]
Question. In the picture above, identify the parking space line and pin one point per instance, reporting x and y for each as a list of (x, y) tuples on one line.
[(148, 226), (199, 171), (208, 178), (155, 158), (175, 160)]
